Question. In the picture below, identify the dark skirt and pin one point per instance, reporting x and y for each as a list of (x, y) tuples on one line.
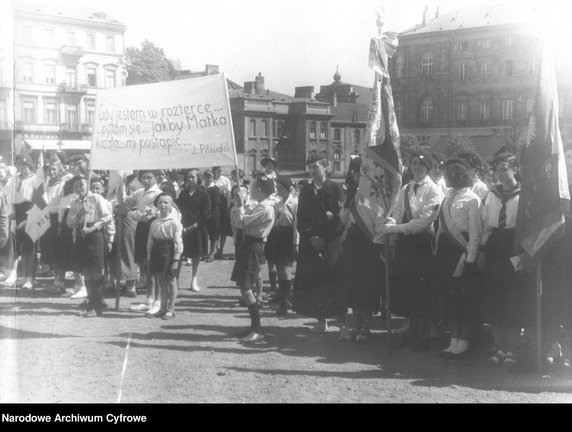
[(52, 245), (314, 280), (70, 261), (213, 227), (249, 257), (141, 236), (360, 277), (125, 242), (237, 245), (460, 295), (162, 253), (196, 243), (225, 229), (411, 293), (507, 296), (90, 251), (279, 245)]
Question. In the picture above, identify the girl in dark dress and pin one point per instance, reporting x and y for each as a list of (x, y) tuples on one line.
[(456, 274), (195, 206), (412, 220), (213, 224)]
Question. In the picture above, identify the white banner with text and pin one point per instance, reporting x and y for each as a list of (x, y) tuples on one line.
[(167, 125)]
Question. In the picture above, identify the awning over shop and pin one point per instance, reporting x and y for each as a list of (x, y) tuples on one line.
[(39, 144)]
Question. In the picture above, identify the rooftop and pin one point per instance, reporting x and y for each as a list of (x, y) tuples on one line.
[(66, 10), (481, 15)]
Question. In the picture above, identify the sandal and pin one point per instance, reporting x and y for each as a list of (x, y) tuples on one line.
[(497, 358)]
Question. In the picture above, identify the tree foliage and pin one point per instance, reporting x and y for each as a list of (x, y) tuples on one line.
[(148, 64), (408, 143), (457, 144)]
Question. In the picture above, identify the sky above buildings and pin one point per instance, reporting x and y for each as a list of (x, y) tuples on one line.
[(291, 42)]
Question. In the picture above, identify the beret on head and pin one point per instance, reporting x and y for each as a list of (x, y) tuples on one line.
[(284, 181), (423, 155), (457, 160), (503, 157), (439, 157), (315, 158), (142, 172), (473, 158), (208, 172), (78, 158), (266, 185), (264, 161)]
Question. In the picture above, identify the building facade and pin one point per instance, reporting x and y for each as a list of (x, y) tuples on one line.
[(61, 57), (472, 72)]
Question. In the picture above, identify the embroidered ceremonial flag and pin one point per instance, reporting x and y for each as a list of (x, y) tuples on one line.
[(380, 176), (544, 182), (38, 220)]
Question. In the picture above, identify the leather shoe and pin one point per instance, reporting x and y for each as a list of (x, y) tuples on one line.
[(252, 337)]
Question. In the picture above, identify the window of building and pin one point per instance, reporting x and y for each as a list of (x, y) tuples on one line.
[(264, 127), (312, 130), (252, 160), (279, 128), (89, 111), (356, 136), (484, 43), (399, 66), (462, 111), (28, 71), (110, 78), (486, 70), (90, 37), (110, 43), (427, 110), (531, 67), (70, 38), (252, 128), (509, 40), (91, 72), (49, 37), (71, 116), (337, 159), (462, 72), (509, 68), (485, 111), (463, 46), (427, 65), (323, 130), (507, 109), (71, 77), (50, 73), (337, 134), (50, 111), (29, 109), (27, 35)]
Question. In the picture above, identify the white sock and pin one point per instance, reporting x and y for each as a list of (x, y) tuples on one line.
[(194, 281), (453, 344), (461, 347)]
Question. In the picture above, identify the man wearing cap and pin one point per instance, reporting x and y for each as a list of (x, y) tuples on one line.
[(25, 247), (139, 208), (321, 229)]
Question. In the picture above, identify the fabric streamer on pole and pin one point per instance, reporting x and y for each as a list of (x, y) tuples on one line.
[(544, 196), (380, 172)]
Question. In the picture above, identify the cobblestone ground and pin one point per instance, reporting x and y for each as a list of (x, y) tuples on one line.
[(50, 354)]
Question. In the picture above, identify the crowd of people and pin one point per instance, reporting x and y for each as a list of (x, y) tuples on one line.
[(451, 232)]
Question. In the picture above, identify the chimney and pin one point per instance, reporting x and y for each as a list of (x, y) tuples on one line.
[(259, 80), (249, 87), (306, 92), (437, 12), (425, 14)]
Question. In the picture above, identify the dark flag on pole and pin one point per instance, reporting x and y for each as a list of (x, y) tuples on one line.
[(545, 195)]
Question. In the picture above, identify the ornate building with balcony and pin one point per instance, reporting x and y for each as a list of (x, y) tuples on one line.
[(62, 56), (472, 72)]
